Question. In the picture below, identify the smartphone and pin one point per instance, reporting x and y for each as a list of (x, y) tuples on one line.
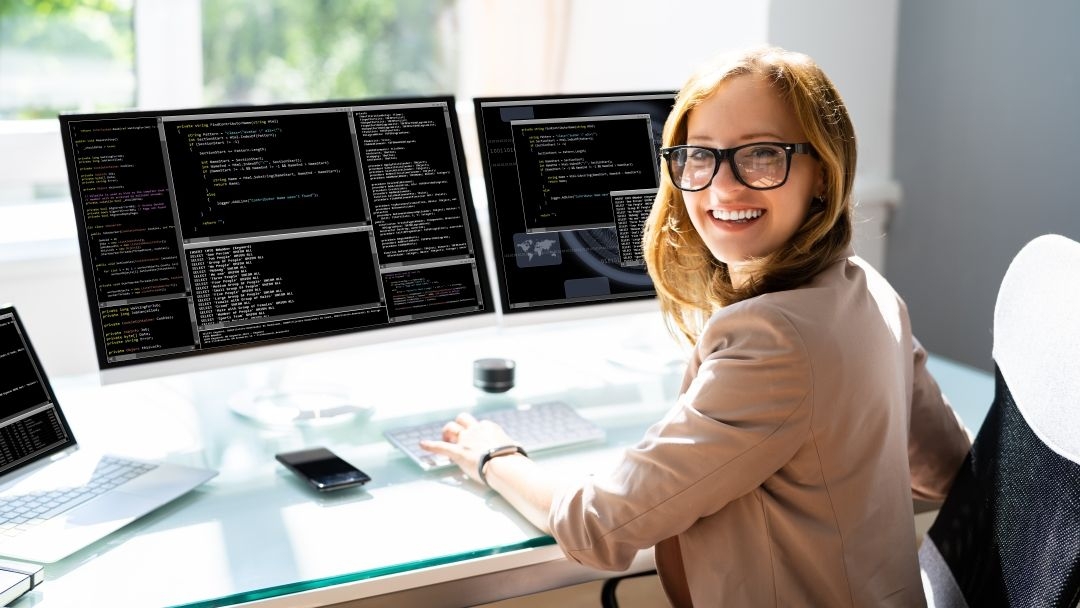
[(323, 469)]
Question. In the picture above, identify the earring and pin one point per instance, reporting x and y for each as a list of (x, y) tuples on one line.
[(817, 204)]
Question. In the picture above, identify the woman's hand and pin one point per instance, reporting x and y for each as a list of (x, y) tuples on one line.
[(518, 479), (466, 439)]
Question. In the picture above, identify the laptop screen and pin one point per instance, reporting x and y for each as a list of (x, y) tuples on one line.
[(32, 426)]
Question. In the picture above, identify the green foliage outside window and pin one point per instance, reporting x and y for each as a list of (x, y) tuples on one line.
[(47, 46), (282, 50)]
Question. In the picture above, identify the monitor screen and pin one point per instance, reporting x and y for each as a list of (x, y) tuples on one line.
[(570, 181), (217, 229), (32, 426)]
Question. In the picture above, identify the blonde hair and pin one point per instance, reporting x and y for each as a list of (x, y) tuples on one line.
[(690, 283)]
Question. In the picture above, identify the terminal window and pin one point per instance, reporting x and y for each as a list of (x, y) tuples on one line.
[(570, 181), (221, 228)]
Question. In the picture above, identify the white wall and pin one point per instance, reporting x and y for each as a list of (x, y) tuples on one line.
[(615, 45), (986, 133), (566, 46), (858, 52)]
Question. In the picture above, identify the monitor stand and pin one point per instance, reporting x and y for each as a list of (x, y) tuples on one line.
[(273, 399), (275, 407)]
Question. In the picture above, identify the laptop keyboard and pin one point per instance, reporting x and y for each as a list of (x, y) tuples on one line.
[(22, 512), (536, 427)]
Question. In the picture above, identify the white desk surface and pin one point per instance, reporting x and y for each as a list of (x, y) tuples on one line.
[(255, 533)]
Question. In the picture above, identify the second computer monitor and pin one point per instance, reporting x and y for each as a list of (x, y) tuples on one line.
[(570, 181)]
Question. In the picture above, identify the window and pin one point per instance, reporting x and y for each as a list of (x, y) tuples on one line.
[(100, 55), (262, 51)]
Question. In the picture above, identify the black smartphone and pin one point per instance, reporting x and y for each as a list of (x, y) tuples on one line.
[(323, 469)]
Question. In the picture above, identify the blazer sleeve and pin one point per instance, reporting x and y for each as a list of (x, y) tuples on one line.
[(742, 416), (937, 439)]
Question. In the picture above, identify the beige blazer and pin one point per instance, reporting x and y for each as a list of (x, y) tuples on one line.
[(784, 474)]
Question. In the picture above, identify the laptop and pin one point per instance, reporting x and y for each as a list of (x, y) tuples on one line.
[(54, 498)]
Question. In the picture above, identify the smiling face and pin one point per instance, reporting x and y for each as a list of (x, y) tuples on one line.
[(737, 223)]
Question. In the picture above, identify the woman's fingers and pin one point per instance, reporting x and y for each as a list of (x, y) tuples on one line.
[(451, 431)]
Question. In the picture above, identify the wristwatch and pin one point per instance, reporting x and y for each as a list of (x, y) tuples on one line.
[(503, 450)]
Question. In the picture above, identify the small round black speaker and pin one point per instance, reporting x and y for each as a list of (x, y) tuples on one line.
[(494, 375)]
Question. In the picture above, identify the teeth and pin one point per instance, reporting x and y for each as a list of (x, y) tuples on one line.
[(730, 216)]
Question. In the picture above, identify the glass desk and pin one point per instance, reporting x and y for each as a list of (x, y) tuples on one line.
[(257, 534)]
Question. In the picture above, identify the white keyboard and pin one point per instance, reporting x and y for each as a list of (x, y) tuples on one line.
[(536, 427), (21, 512)]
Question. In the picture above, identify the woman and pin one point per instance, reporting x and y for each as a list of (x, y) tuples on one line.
[(807, 421)]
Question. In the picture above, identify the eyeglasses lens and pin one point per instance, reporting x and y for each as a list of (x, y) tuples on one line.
[(759, 166), (694, 167)]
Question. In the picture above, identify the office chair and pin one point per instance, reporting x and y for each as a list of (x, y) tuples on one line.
[(608, 598), (1008, 533)]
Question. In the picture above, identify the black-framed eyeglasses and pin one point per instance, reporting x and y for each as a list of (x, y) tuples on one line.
[(760, 165)]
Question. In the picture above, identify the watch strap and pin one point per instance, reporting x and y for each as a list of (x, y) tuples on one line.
[(503, 450)]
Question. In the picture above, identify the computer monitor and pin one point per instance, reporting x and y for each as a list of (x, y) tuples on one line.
[(207, 232), (570, 180)]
